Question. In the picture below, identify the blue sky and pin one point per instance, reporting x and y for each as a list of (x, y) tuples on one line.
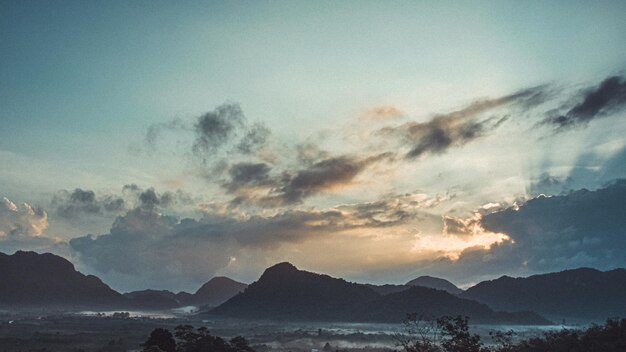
[(82, 83)]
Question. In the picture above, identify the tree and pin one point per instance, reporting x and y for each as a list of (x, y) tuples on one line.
[(162, 339), (420, 334), (456, 336)]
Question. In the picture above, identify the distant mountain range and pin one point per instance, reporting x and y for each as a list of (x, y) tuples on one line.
[(423, 281), (213, 293), (284, 292), (436, 283), (571, 294), (28, 279)]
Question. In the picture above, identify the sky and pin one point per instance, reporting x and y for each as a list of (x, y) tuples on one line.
[(157, 144)]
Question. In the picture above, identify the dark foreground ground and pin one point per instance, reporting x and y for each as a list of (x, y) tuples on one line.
[(121, 332)]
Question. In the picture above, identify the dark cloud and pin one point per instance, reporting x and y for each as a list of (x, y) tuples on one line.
[(215, 128), (460, 127), (79, 202), (321, 176), (248, 175), (550, 185), (581, 228), (255, 137), (601, 100), (224, 130)]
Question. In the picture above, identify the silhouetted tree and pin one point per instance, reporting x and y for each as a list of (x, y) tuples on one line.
[(421, 334), (162, 339), (456, 336)]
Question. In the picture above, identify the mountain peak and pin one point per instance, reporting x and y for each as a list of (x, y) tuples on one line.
[(280, 269), (217, 290), (436, 283)]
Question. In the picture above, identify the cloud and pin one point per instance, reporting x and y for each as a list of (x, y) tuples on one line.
[(460, 127), (383, 112), (215, 128), (223, 131), (598, 101), (581, 228), (21, 220), (22, 227), (155, 250), (321, 176), (79, 202), (145, 248)]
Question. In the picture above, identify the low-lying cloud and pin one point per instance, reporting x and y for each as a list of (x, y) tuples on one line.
[(581, 228)]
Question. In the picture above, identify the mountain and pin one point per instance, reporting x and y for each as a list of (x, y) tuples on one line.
[(216, 291), (572, 294), (213, 293), (153, 299), (430, 302), (436, 283), (388, 288), (283, 292), (34, 280)]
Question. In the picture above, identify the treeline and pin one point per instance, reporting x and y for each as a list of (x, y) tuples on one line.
[(451, 334), (188, 339)]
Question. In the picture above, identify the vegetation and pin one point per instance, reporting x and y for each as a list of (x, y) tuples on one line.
[(451, 334), (188, 339)]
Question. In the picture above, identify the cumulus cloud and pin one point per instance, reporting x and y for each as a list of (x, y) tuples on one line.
[(155, 250), (22, 227), (604, 99), (460, 127), (21, 220), (581, 228), (162, 251), (80, 202)]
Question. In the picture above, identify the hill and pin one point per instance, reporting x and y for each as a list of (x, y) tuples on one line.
[(436, 283), (30, 279), (572, 294), (431, 302), (283, 292), (216, 291)]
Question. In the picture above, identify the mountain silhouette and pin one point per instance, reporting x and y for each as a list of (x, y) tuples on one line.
[(216, 291), (286, 293), (429, 302), (212, 293), (30, 279), (436, 283), (571, 294)]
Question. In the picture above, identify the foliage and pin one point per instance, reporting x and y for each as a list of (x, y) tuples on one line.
[(161, 339), (451, 334), (456, 336), (189, 339)]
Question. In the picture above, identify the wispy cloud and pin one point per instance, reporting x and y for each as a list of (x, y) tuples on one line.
[(604, 99)]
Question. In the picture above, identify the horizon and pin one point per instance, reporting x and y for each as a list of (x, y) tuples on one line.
[(156, 146)]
